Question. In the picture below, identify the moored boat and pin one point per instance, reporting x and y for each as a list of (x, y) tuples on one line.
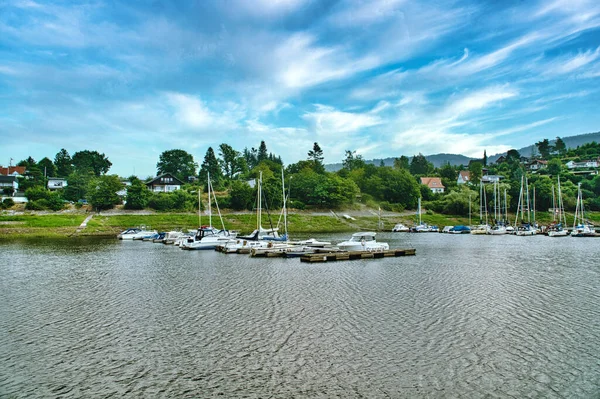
[(363, 241)]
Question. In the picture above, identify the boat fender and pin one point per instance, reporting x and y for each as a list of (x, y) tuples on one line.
[(362, 242), (270, 245)]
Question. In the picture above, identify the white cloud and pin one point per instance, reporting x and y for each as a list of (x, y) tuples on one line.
[(327, 120), (478, 100), (564, 65), (361, 13)]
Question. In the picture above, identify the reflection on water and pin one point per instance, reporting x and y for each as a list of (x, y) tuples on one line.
[(469, 316)]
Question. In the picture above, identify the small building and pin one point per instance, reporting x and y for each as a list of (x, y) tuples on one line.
[(501, 159), (56, 183), (537, 164), (164, 183), (18, 171), (593, 163), (434, 184), (491, 178), (9, 184), (464, 176)]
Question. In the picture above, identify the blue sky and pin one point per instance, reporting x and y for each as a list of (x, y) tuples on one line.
[(383, 77)]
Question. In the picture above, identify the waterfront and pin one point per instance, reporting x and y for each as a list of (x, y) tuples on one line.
[(468, 316)]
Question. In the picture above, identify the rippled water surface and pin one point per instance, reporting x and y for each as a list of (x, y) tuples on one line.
[(468, 316)]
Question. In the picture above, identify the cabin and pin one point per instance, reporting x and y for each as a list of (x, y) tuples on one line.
[(501, 159), (56, 183), (434, 184), (464, 176), (164, 183), (593, 163)]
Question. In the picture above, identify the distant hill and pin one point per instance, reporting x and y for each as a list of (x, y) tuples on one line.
[(456, 159)]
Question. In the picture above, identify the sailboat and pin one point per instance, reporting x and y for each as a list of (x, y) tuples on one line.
[(499, 227), (582, 227), (482, 228), (557, 229), (423, 227), (525, 228), (208, 237)]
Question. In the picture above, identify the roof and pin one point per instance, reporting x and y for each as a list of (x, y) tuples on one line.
[(8, 179), (157, 179), (11, 170), (466, 175), (432, 182)]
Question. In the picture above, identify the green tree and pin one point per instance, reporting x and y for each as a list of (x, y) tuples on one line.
[(399, 187), (513, 156), (476, 172), (419, 165), (47, 167), (560, 146), (63, 163), (138, 195), (210, 165), (102, 191), (316, 157), (77, 186), (544, 148), (353, 161), (485, 159), (241, 195), (84, 161), (555, 166), (179, 163), (231, 161), (262, 153), (402, 163)]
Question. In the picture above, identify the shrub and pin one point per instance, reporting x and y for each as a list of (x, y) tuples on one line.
[(297, 205), (7, 203), (38, 205)]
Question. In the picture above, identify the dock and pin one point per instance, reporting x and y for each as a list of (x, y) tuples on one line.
[(355, 255)]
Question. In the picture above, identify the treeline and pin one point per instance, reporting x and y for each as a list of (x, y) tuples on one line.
[(307, 183)]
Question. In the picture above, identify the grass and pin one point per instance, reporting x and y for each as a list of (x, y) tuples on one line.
[(299, 224)]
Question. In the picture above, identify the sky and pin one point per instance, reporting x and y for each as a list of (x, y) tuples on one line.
[(383, 78)]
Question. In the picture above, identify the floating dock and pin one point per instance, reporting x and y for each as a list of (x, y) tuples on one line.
[(355, 255)]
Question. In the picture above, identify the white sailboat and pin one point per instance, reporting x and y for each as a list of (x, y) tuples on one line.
[(422, 227), (482, 228), (581, 226), (499, 227), (525, 228), (558, 228)]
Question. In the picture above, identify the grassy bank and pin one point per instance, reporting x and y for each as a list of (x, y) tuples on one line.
[(299, 224)]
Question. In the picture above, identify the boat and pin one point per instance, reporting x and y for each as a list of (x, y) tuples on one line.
[(136, 233), (363, 241), (423, 227), (557, 228), (581, 226), (208, 237), (482, 228), (526, 228), (400, 228), (460, 229), (500, 220)]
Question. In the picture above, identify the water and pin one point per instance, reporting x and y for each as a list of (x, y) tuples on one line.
[(468, 316)]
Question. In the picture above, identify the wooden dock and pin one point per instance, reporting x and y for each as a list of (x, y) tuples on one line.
[(355, 255)]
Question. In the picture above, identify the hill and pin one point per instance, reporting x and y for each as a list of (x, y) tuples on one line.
[(456, 159)]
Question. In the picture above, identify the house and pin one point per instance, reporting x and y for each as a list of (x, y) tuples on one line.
[(56, 183), (123, 192), (434, 184), (491, 178), (584, 164), (501, 159), (164, 183), (537, 164), (464, 176), (9, 184), (18, 171)]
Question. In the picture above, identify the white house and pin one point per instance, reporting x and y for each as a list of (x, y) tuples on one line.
[(434, 184), (584, 164), (56, 183), (164, 183), (9, 183), (464, 176)]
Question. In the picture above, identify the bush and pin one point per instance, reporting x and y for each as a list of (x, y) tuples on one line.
[(7, 203), (37, 193), (297, 205), (160, 202), (38, 205)]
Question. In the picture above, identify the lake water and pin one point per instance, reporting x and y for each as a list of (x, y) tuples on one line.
[(468, 316)]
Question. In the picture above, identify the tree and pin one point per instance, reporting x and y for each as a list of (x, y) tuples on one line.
[(178, 163), (102, 191), (544, 148), (420, 165), (262, 153), (316, 156), (231, 161), (513, 156), (560, 146), (84, 161), (210, 165), (555, 166), (241, 195), (251, 157), (476, 171), (138, 195), (353, 161), (63, 163), (47, 167), (485, 159), (402, 163)]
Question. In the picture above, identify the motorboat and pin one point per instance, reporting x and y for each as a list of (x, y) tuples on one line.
[(400, 228), (363, 241), (207, 237), (481, 229), (136, 233), (460, 229)]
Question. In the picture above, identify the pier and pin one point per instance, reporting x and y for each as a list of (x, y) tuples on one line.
[(356, 255)]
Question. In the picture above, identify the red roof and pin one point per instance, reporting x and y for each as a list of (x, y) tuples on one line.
[(12, 169), (432, 182)]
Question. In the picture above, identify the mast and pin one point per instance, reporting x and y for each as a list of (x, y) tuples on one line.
[(470, 223), (209, 200), (520, 205), (259, 210), (528, 204), (419, 210), (199, 206), (505, 209), (217, 205), (554, 206), (284, 204)]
